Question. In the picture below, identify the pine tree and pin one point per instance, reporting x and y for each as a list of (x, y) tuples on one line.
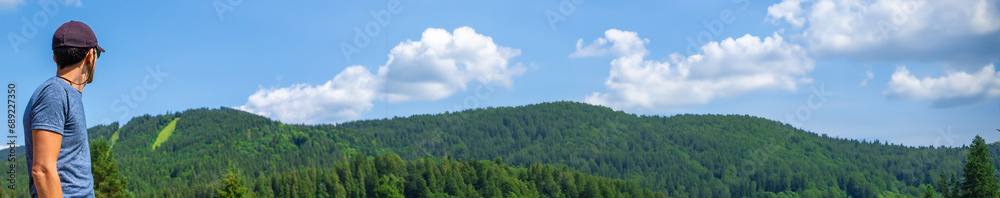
[(943, 186), (107, 181), (232, 185), (956, 186), (980, 179), (930, 192)]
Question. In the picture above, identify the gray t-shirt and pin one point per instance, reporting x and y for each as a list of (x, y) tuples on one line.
[(58, 107)]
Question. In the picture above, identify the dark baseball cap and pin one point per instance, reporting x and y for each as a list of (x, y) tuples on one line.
[(75, 34)]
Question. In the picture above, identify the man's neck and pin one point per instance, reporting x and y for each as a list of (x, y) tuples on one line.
[(72, 74)]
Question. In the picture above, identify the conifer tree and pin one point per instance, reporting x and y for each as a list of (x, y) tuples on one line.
[(107, 181), (232, 185), (930, 192), (980, 175), (943, 186)]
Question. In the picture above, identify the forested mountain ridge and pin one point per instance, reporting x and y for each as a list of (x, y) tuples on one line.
[(684, 155), (681, 155)]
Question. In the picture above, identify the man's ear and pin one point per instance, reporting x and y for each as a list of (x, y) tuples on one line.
[(89, 57), (54, 59)]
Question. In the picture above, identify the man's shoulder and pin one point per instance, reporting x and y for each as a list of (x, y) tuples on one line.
[(47, 95), (48, 88)]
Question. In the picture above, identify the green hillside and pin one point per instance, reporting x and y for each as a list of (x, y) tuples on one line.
[(680, 156), (683, 155)]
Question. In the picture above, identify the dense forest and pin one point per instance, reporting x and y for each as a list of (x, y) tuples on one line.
[(389, 176), (623, 154)]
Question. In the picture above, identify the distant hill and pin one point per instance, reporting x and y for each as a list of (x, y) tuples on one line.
[(683, 155), (680, 156)]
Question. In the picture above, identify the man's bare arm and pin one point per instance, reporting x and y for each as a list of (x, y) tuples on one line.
[(43, 167)]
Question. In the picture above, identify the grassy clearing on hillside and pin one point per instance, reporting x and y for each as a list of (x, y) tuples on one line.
[(164, 134), (114, 137)]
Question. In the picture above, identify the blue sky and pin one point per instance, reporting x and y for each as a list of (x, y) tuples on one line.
[(928, 75)]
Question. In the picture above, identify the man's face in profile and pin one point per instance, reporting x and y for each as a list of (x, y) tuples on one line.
[(90, 67)]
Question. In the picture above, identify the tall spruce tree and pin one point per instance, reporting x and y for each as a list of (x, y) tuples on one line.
[(107, 181), (929, 193), (956, 186), (980, 175), (944, 186)]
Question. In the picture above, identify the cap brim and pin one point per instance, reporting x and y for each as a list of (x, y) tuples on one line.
[(100, 48)]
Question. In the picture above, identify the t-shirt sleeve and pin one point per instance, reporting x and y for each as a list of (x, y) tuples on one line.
[(49, 110)]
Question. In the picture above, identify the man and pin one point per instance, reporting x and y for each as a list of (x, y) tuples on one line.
[(55, 128)]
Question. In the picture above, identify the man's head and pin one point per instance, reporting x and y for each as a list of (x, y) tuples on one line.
[(74, 44)]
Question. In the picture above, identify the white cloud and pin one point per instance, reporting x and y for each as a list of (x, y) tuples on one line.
[(726, 69), (6, 5), (868, 76), (964, 31), (433, 68), (76, 3), (10, 5), (954, 89), (442, 63), (622, 42), (595, 48), (345, 97), (789, 10)]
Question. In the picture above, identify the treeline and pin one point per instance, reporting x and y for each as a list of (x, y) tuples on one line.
[(388, 175)]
